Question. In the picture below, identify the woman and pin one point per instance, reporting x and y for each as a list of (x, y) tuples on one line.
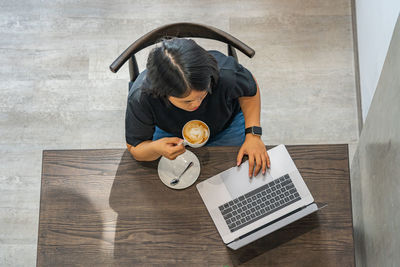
[(185, 82)]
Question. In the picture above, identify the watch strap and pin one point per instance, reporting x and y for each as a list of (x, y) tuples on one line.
[(253, 130)]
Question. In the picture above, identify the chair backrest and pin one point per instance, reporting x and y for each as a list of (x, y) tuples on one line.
[(179, 30)]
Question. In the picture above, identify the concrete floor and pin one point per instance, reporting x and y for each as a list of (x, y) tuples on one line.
[(56, 91)]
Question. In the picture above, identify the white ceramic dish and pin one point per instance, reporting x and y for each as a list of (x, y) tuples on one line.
[(170, 169)]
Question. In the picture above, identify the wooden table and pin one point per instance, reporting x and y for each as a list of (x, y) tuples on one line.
[(103, 208)]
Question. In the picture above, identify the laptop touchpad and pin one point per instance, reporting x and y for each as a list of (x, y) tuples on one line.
[(237, 180)]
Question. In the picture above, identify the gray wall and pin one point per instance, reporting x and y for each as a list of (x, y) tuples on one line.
[(375, 171), (375, 23)]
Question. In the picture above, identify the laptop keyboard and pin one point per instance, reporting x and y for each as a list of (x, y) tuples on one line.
[(259, 203)]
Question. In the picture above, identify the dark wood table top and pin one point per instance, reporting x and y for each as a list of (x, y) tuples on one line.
[(103, 208)]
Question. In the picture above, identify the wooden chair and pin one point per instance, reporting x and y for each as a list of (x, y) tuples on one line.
[(179, 30)]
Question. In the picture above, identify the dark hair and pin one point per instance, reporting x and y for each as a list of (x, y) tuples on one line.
[(179, 66)]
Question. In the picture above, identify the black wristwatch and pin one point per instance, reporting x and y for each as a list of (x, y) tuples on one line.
[(255, 130)]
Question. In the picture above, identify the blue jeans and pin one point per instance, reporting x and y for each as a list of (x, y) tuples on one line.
[(231, 136)]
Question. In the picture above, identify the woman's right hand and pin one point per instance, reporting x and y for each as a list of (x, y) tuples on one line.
[(170, 147)]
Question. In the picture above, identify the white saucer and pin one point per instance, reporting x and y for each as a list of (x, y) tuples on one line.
[(170, 169)]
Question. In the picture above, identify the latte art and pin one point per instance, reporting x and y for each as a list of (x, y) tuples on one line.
[(196, 132)]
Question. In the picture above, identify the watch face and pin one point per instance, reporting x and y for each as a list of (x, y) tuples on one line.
[(257, 130)]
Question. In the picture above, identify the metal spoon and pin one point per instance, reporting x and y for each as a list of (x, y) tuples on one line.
[(176, 180)]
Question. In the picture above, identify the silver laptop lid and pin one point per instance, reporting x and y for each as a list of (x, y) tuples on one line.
[(235, 182)]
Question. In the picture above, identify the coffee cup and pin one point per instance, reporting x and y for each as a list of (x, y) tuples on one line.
[(195, 133)]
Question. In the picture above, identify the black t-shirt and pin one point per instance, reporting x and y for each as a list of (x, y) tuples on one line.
[(144, 111)]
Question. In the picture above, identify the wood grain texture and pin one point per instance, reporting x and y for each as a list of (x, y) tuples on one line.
[(101, 207)]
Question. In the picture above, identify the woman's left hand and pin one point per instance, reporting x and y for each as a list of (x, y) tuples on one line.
[(255, 149)]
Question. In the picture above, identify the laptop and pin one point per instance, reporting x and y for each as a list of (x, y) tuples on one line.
[(245, 209)]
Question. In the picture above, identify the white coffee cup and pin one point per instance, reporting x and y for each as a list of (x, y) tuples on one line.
[(195, 133)]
